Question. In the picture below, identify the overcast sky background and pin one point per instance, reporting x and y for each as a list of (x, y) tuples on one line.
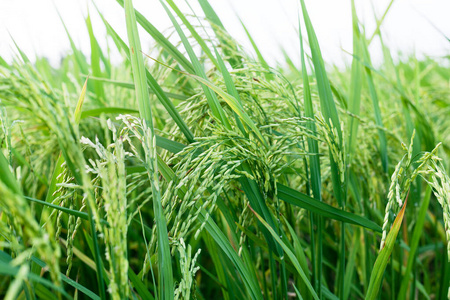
[(408, 27)]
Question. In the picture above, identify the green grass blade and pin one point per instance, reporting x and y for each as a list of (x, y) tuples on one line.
[(290, 254), (21, 53), (210, 13), (161, 40), (154, 86), (379, 267), (329, 111), (257, 201), (418, 228), (352, 261), (354, 103), (218, 265), (79, 107), (95, 62), (194, 33), (232, 102), (314, 170), (6, 176), (231, 89), (304, 201), (76, 213), (327, 104), (166, 290), (69, 281), (380, 21), (3, 63), (138, 67), (139, 286), (445, 280), (376, 106), (299, 253), (313, 147), (213, 102), (261, 59), (169, 145), (163, 97), (130, 85), (79, 56), (224, 244), (97, 257), (107, 110), (230, 49), (355, 87), (8, 270)]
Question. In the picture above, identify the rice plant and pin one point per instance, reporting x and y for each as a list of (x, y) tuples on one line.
[(197, 170)]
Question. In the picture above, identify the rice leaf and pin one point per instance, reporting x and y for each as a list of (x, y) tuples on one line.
[(69, 281), (261, 59), (79, 57), (314, 170), (414, 243), (139, 286), (290, 254), (327, 104), (213, 102), (6, 176), (194, 33), (107, 110), (161, 40), (376, 106), (78, 109), (95, 61), (304, 201), (154, 86), (9, 270), (130, 85), (166, 290), (355, 87), (379, 267), (230, 48), (221, 240), (231, 89)]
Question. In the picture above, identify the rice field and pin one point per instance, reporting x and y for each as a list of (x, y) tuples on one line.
[(197, 170)]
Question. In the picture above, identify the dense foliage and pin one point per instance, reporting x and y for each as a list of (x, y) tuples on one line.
[(195, 171)]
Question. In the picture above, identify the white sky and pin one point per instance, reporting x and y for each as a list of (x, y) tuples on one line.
[(36, 27)]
